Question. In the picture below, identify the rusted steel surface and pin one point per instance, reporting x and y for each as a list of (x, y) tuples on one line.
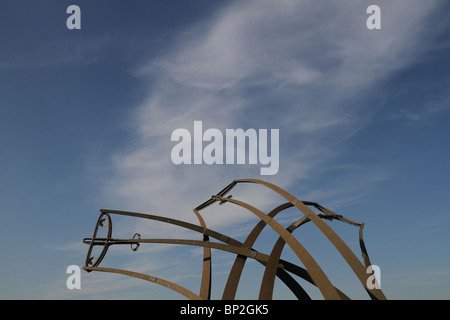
[(274, 265)]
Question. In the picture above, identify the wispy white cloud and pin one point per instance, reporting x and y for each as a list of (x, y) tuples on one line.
[(303, 67), (263, 65)]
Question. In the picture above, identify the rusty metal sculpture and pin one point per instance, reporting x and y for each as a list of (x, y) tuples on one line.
[(274, 265)]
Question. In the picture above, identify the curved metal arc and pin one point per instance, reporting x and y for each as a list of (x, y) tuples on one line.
[(289, 281), (199, 243), (221, 193), (299, 204), (205, 286), (240, 250), (238, 265), (284, 276), (205, 231), (89, 257), (268, 282), (362, 245), (316, 273), (340, 245), (236, 271), (364, 253), (173, 286), (239, 262), (247, 252)]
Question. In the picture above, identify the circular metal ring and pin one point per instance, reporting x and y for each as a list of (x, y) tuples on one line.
[(135, 246)]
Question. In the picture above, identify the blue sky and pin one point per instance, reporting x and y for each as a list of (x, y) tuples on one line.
[(86, 117)]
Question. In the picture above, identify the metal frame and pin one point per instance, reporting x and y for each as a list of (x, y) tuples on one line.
[(274, 265)]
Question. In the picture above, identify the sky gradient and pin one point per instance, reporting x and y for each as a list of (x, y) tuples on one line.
[(86, 118)]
